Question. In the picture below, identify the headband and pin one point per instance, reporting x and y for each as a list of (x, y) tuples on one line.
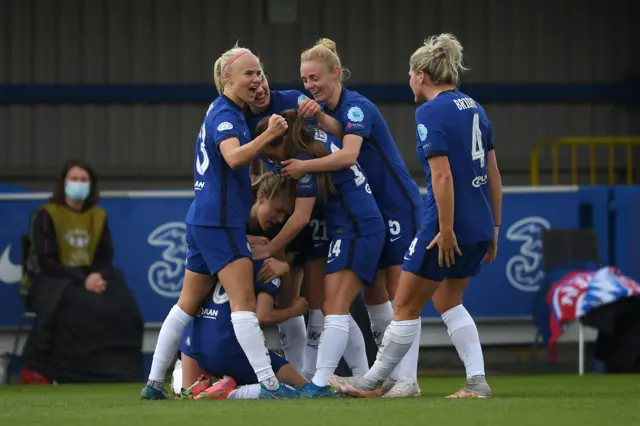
[(232, 60)]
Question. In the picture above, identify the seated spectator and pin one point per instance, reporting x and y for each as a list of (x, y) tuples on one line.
[(88, 327)]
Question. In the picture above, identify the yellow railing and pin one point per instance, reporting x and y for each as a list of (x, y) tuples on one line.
[(574, 143)]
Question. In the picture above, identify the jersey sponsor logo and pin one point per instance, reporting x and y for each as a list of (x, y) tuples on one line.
[(422, 132), (10, 273), (165, 276), (198, 186), (304, 178), (524, 270), (208, 313), (225, 125), (478, 181), (355, 114)]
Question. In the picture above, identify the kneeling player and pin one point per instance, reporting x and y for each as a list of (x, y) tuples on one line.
[(211, 343)]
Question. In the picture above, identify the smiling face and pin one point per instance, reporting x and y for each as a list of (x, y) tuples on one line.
[(320, 80), (263, 97)]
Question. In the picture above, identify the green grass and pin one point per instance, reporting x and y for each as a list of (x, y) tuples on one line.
[(518, 401)]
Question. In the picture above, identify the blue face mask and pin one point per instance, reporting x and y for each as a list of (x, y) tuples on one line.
[(77, 191)]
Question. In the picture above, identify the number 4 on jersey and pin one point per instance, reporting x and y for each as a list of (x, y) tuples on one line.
[(477, 150)]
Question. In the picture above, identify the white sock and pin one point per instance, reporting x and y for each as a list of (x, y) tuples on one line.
[(168, 342), (407, 369), (245, 392), (293, 338), (314, 331), (249, 334), (332, 345), (380, 317), (355, 354), (395, 344), (464, 335)]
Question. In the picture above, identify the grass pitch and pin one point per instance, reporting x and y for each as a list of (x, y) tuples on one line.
[(518, 400)]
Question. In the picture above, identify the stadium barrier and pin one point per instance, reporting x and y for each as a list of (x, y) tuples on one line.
[(574, 143), (150, 248)]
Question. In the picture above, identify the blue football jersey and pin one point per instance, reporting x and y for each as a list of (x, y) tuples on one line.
[(211, 331), (222, 195), (455, 125), (393, 187), (353, 210)]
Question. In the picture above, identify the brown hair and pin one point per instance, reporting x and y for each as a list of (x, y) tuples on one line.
[(59, 196), (298, 140), (273, 185)]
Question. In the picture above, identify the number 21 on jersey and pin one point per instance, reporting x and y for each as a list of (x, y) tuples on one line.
[(477, 149)]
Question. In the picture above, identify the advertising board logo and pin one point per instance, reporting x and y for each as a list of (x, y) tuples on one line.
[(165, 276), (524, 269)]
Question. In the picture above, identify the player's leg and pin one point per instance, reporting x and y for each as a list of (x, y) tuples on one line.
[(292, 331), (195, 286), (314, 282), (237, 277), (351, 263), (420, 278), (403, 381), (194, 379), (239, 381), (461, 326)]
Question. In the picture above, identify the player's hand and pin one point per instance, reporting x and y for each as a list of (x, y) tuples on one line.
[(309, 108), (492, 251), (300, 306), (261, 252), (277, 125), (257, 241), (293, 168), (272, 269), (447, 248)]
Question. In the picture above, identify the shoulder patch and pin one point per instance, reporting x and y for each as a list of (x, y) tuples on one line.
[(422, 132), (225, 125), (355, 114)]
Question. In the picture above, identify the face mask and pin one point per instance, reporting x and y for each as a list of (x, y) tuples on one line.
[(77, 191)]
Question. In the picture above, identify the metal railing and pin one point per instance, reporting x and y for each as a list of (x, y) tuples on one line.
[(573, 143)]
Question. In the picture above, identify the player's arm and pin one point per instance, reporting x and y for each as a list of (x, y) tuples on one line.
[(495, 187), (268, 314), (432, 141), (329, 124), (256, 169), (297, 221), (342, 159), (236, 155), (442, 184)]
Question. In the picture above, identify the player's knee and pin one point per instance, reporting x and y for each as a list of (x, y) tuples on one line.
[(445, 299), (246, 303), (336, 306), (375, 295), (405, 309)]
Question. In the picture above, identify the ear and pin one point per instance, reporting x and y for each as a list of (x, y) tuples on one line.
[(336, 72), (421, 77), (261, 197)]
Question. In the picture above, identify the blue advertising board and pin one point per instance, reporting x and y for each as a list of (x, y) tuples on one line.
[(150, 246)]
